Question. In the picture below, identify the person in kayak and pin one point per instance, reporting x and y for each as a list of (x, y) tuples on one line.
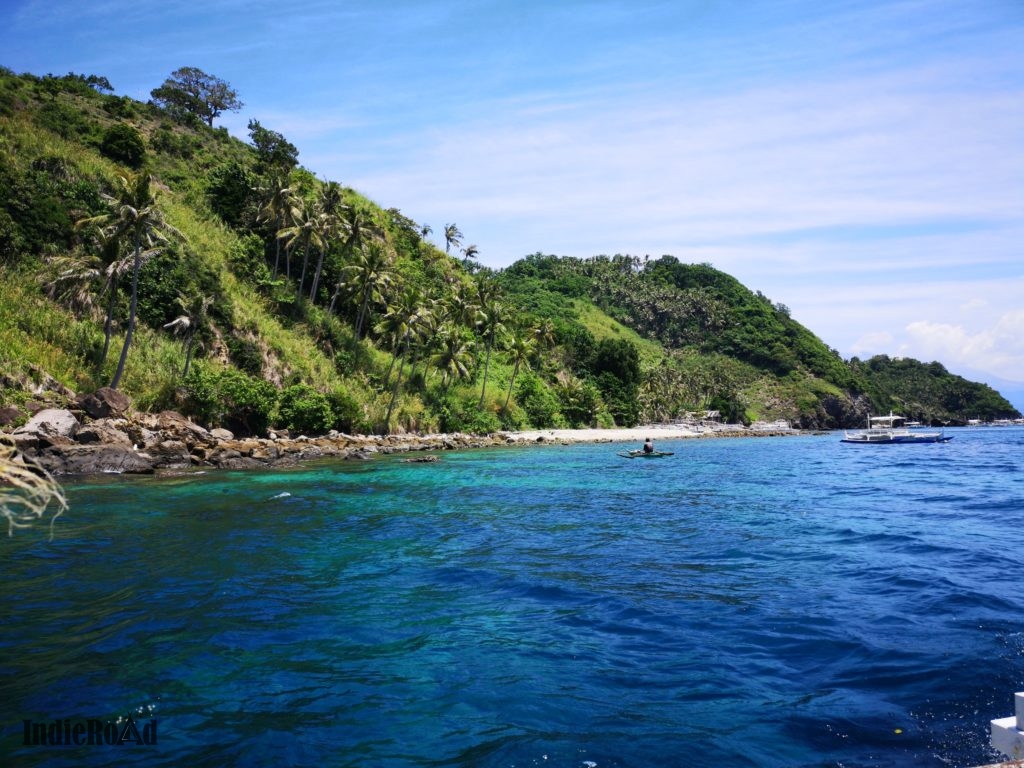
[(649, 446)]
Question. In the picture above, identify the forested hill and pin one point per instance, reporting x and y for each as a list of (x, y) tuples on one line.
[(146, 250)]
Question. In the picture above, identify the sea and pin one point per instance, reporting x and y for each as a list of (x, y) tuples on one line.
[(770, 602)]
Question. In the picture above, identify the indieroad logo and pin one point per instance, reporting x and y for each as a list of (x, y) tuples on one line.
[(89, 733)]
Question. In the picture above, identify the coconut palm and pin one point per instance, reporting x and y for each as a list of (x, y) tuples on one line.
[(452, 236), (133, 218), (544, 334), (491, 316), (304, 232), (469, 252), (521, 346), (454, 355), (460, 305), (274, 211), (366, 276), (329, 221), (76, 277), (194, 319), (409, 315)]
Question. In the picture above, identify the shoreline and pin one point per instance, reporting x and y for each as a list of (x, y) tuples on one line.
[(66, 443), (639, 434)]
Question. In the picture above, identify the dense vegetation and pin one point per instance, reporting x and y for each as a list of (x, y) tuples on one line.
[(145, 249)]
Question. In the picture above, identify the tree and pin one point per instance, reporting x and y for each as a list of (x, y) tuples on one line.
[(522, 347), (275, 155), (134, 218), (491, 321), (277, 200), (409, 315), (195, 318), (469, 252), (452, 236), (190, 91), (303, 231), (329, 220), (454, 354), (366, 276), (124, 144)]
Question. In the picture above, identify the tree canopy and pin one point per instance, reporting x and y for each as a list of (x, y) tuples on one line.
[(190, 91)]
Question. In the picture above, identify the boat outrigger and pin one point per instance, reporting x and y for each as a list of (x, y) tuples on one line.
[(642, 454), (890, 430)]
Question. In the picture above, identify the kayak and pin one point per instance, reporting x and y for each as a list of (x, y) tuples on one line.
[(640, 454)]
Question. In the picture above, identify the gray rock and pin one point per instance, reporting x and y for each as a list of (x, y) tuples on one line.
[(95, 459), (103, 431), (50, 423)]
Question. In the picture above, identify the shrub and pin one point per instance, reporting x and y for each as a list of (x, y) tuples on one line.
[(457, 414), (302, 409), (348, 413), (229, 398), (123, 144), (539, 403), (245, 354)]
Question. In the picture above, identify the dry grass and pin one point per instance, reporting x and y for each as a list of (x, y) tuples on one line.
[(26, 491)]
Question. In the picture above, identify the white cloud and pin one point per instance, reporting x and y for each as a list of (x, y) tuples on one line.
[(998, 349)]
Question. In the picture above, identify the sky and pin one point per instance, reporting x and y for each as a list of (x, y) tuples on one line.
[(859, 161)]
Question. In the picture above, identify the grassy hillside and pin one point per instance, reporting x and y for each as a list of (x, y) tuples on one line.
[(258, 295)]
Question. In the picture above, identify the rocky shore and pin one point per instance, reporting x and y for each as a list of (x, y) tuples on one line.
[(100, 434)]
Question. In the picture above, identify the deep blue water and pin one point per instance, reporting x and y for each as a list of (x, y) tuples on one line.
[(747, 602)]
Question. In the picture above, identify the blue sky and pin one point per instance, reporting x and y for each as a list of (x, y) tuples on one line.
[(860, 162)]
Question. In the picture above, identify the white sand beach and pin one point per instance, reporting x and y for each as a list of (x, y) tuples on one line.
[(624, 435)]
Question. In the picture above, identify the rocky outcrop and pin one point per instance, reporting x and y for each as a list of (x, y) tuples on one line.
[(50, 426), (144, 443), (104, 402)]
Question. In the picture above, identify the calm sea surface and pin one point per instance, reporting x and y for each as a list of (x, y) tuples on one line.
[(759, 602)]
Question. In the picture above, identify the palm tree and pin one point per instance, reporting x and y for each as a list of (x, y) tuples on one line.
[(394, 326), (452, 236), (303, 232), (359, 230), (544, 333), (460, 305), (454, 354), (329, 220), (195, 318), (522, 347), (275, 212), (469, 252), (134, 218), (410, 315), (490, 321), (365, 277)]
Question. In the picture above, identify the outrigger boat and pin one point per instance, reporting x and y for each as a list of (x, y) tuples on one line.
[(890, 430), (640, 453)]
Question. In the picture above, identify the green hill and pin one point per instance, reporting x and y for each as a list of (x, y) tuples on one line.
[(253, 294)]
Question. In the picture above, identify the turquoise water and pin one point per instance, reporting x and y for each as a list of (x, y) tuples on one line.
[(763, 602)]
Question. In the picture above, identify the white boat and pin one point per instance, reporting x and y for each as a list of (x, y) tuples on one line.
[(892, 429)]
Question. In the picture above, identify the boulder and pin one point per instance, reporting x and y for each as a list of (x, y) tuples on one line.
[(95, 459), (176, 426), (9, 415), (105, 431), (116, 400), (50, 425), (104, 402), (170, 454), (222, 434)]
